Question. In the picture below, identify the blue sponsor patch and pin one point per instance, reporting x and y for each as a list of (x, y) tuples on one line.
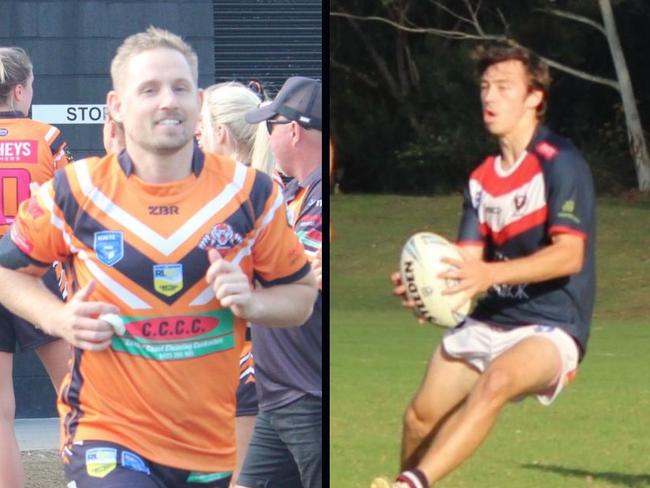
[(109, 246), (3, 132), (134, 462)]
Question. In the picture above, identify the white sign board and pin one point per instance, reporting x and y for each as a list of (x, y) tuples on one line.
[(69, 114)]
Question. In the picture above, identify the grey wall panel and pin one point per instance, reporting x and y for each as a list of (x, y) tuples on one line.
[(268, 40)]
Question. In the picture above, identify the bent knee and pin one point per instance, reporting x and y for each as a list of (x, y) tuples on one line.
[(496, 387), (418, 420)]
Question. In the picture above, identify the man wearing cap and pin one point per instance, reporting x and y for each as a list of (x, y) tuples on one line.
[(286, 447)]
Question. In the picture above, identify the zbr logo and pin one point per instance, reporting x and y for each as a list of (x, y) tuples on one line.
[(168, 278), (109, 246), (3, 131), (221, 237)]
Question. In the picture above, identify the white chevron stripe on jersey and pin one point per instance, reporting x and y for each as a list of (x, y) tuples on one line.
[(168, 245), (113, 286), (207, 294), (500, 211), (50, 134)]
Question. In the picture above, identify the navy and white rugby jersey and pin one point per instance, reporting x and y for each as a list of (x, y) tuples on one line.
[(515, 212)]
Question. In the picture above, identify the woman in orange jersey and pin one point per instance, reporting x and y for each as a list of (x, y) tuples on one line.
[(223, 130), (30, 151)]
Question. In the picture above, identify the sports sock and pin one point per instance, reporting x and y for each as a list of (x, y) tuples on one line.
[(415, 478)]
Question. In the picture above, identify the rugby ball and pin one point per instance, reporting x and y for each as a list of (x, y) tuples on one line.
[(420, 265)]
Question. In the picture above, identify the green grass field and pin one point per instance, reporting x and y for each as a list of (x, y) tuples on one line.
[(597, 434)]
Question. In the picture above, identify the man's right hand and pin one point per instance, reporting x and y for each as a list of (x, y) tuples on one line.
[(77, 322)]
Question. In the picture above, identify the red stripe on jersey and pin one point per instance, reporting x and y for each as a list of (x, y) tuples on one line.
[(520, 226), (562, 229), (497, 185)]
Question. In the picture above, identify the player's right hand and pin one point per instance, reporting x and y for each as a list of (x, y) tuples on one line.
[(399, 289), (77, 321)]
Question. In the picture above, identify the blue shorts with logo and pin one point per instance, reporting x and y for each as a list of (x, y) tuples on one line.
[(102, 464)]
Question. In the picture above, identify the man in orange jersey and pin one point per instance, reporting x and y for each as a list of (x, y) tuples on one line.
[(30, 151), (168, 241)]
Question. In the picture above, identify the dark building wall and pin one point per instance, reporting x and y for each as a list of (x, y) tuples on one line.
[(267, 40), (71, 44)]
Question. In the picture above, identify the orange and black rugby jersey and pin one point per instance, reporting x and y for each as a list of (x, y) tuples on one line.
[(30, 151), (167, 388)]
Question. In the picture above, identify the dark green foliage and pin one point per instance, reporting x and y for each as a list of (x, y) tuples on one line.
[(383, 146)]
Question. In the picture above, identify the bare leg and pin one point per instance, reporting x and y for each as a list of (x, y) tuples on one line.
[(11, 466), (445, 386), (244, 430), (530, 366), (55, 356)]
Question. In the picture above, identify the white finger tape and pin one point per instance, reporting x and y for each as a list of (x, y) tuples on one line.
[(116, 321)]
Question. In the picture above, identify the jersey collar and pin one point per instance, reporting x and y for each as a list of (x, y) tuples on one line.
[(198, 160), (13, 114), (541, 133)]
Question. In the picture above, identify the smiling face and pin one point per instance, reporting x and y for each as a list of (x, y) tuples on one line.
[(508, 102), (157, 101)]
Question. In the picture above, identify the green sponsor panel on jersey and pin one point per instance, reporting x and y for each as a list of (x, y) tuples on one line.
[(177, 337)]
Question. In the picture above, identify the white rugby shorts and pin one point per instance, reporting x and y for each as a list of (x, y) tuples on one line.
[(479, 344)]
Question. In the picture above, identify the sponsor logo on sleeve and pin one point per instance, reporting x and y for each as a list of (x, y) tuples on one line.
[(20, 239), (568, 211), (100, 461), (168, 278), (109, 246), (34, 208)]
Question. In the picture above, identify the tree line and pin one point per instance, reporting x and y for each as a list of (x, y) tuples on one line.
[(405, 112)]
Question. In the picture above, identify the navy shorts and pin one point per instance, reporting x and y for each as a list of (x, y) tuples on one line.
[(101, 464), (14, 330), (286, 447)]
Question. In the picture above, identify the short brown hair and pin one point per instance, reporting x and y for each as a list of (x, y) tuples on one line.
[(539, 76), (152, 38)]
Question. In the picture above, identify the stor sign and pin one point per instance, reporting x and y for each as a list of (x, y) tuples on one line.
[(69, 114)]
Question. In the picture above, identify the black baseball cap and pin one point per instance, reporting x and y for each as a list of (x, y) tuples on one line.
[(299, 99)]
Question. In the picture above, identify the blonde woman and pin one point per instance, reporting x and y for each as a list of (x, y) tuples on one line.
[(223, 130)]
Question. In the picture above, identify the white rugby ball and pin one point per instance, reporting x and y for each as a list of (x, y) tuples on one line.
[(420, 265)]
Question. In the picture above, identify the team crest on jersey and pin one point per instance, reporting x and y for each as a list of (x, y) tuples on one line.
[(520, 201), (221, 237), (168, 278), (109, 246)]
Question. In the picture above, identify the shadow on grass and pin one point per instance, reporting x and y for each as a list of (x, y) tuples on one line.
[(621, 479)]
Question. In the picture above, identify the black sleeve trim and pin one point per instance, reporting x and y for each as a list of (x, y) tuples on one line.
[(13, 258), (302, 272)]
